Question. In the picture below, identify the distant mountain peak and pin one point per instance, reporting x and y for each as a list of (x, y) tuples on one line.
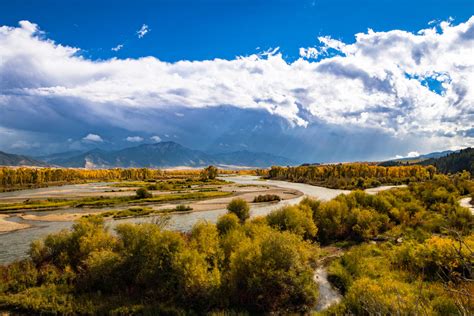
[(168, 154)]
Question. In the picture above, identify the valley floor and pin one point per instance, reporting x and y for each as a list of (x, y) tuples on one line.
[(25, 218)]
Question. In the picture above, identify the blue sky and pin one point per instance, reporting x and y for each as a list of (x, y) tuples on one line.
[(206, 74), (207, 29)]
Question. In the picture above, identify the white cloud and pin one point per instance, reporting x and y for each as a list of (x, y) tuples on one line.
[(134, 139), (117, 48), (32, 28), (381, 81), (93, 138), (411, 154), (330, 43), (143, 31), (309, 52), (156, 138)]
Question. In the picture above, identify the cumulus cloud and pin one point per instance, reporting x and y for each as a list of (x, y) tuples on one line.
[(93, 138), (143, 31), (117, 48), (156, 138), (397, 82), (134, 139)]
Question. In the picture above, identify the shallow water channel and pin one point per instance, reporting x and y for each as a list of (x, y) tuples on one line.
[(14, 245)]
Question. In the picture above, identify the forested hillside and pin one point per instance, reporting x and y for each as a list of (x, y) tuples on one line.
[(450, 162), (454, 162)]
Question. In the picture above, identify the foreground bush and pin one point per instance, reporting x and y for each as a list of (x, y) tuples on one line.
[(145, 268), (296, 219), (227, 222), (270, 274), (411, 278)]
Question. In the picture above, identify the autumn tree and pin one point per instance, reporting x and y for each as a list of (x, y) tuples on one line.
[(209, 173)]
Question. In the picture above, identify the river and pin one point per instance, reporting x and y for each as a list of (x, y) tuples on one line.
[(14, 245)]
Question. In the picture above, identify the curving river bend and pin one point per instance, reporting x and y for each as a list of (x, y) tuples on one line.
[(14, 245)]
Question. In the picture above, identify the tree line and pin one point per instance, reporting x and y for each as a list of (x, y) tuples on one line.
[(352, 175), (19, 178)]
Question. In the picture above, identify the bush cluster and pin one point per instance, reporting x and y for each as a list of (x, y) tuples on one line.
[(233, 265), (266, 198)]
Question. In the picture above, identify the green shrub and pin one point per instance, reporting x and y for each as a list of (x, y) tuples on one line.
[(152, 187), (227, 222), (240, 208), (18, 276), (272, 273), (143, 193), (183, 208), (383, 297), (266, 198), (297, 219), (339, 276)]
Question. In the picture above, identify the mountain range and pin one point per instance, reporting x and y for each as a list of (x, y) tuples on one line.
[(170, 154), (157, 155), (19, 160)]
